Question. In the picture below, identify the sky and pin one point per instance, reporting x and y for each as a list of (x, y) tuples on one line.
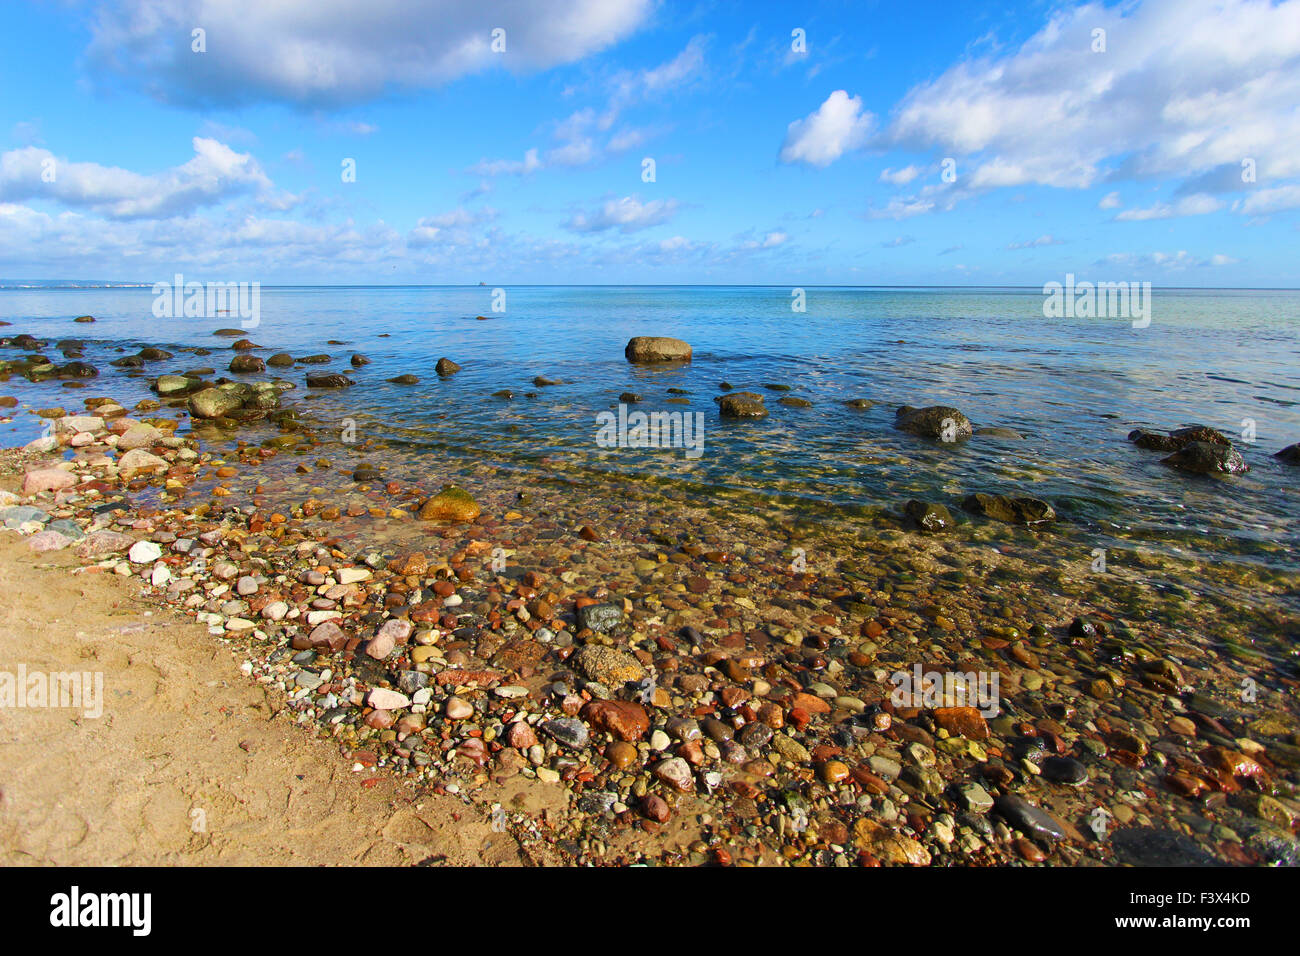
[(651, 141)]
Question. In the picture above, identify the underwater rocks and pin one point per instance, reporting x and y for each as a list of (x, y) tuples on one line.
[(649, 349), (450, 504), (742, 405), (1290, 454), (1173, 441), (928, 515), (213, 403), (1207, 458), (1019, 510), (330, 380), (1197, 448), (247, 363), (942, 422)]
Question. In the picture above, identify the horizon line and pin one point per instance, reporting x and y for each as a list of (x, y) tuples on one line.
[(89, 284)]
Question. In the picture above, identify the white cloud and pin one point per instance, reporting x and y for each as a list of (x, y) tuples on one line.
[(1267, 201), (336, 51), (215, 173), (1109, 201), (1184, 86), (834, 128), (1199, 204), (626, 215), (579, 132), (900, 177), (1171, 261)]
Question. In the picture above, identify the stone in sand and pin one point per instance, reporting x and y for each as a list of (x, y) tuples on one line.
[(47, 479), (646, 349)]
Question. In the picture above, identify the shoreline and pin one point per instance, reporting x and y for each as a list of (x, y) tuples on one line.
[(756, 724), (190, 764), (616, 670)]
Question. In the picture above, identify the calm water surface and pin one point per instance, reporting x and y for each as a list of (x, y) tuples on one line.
[(1073, 387)]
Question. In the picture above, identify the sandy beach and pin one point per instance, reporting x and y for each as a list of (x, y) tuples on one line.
[(190, 763)]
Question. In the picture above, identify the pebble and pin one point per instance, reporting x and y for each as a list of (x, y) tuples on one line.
[(144, 552)]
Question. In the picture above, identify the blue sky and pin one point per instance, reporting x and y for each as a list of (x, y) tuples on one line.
[(1155, 141)]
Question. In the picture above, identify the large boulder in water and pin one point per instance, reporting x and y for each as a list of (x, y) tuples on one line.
[(934, 421), (213, 403), (451, 504), (1207, 458), (446, 366), (645, 349), (330, 380), (1020, 510), (247, 363), (168, 385), (1290, 454), (742, 405), (1179, 438)]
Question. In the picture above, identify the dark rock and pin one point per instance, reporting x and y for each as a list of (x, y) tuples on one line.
[(742, 405), (247, 363), (942, 422), (404, 380), (359, 360), (1065, 770), (331, 380), (446, 366), (1207, 458), (1030, 511), (1150, 846), (1290, 454), (929, 515), (1032, 820), (567, 730)]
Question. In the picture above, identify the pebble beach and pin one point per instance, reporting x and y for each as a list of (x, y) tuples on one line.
[(621, 669)]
